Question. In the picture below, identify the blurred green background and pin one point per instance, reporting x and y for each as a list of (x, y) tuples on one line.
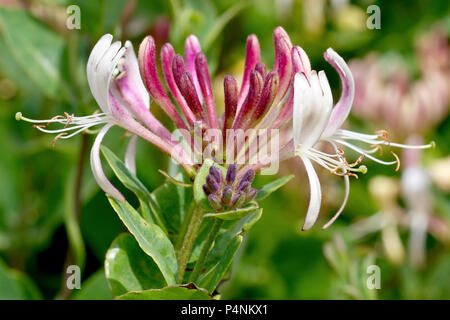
[(42, 73)]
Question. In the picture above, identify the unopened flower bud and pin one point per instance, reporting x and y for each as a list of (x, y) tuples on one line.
[(212, 184), (216, 173), (178, 69), (206, 189), (231, 173), (242, 186), (261, 68), (230, 89), (248, 176), (226, 195), (214, 201), (251, 194), (238, 200)]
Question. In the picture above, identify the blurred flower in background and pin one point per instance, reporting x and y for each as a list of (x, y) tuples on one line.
[(388, 94)]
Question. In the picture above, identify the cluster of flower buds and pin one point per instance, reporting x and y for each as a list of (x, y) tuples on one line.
[(227, 194)]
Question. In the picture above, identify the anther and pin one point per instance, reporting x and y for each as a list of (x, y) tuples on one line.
[(384, 135), (57, 137), (69, 118)]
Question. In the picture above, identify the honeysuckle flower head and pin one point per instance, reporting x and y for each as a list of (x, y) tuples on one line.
[(291, 99), (115, 82), (316, 120)]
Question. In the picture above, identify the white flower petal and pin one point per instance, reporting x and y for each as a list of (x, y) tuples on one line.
[(312, 107), (315, 195), (96, 54), (105, 72), (344, 202), (100, 69), (300, 88), (343, 106), (130, 154), (97, 169)]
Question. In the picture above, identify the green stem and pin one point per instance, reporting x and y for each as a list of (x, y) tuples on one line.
[(205, 249), (188, 240), (183, 228)]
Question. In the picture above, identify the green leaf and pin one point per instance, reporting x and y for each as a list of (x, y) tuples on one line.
[(35, 48), (211, 279), (11, 70), (199, 195), (128, 268), (184, 292), (150, 209), (250, 220), (234, 214), (151, 239), (15, 285), (94, 288), (203, 232), (265, 191), (173, 201)]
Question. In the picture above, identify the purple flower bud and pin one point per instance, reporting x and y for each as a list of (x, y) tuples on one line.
[(267, 96), (168, 66), (201, 67), (256, 84), (214, 201), (242, 186), (226, 195), (231, 173), (252, 57), (261, 68), (212, 184), (249, 175), (231, 98), (238, 200), (189, 93), (251, 194), (178, 69), (216, 173), (191, 49), (206, 189)]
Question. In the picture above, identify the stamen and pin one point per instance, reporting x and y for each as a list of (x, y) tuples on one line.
[(57, 137), (397, 159), (339, 167), (69, 118), (72, 124), (358, 161)]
